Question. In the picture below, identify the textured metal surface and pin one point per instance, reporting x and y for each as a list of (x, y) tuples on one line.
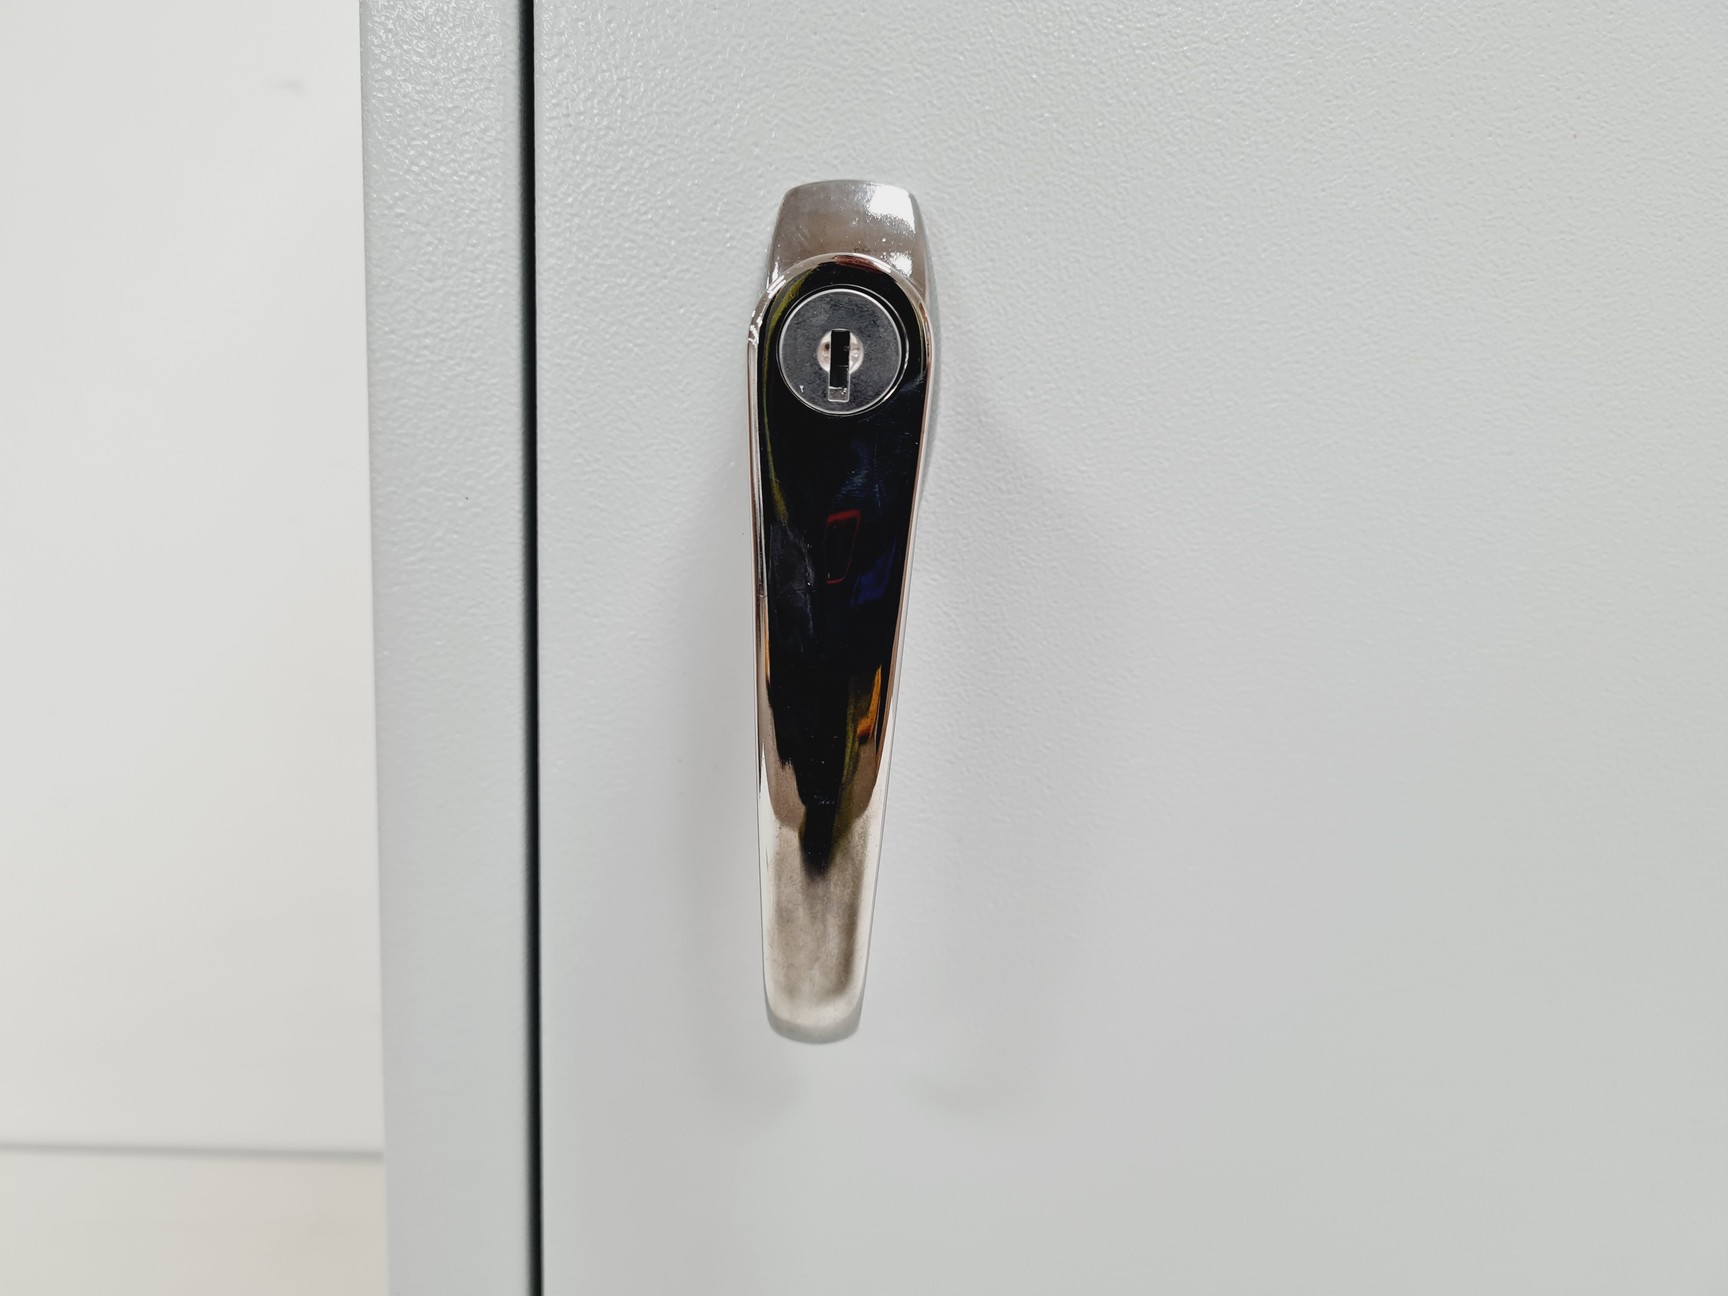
[(1304, 866), (834, 495), (445, 273)]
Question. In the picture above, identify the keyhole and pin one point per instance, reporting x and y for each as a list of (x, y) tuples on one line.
[(839, 354), (841, 351)]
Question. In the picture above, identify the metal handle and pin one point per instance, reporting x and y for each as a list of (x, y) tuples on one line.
[(842, 363)]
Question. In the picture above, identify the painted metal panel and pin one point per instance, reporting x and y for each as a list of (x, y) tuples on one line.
[(446, 283), (1303, 861)]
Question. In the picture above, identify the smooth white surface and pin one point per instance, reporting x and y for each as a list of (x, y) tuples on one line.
[(78, 1224), (445, 276), (1304, 863), (188, 912)]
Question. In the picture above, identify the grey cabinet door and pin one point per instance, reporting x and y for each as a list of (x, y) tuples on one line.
[(1304, 864)]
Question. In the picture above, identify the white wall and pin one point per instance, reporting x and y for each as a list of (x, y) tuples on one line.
[(187, 894)]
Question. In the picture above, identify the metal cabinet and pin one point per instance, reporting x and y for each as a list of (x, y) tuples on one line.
[(1303, 866)]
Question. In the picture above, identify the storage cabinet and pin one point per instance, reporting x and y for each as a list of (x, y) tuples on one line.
[(1303, 866)]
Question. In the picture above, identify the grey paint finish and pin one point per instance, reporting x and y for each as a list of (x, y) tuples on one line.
[(1304, 871), (445, 276)]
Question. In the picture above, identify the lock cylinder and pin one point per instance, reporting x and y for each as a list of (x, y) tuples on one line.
[(869, 362)]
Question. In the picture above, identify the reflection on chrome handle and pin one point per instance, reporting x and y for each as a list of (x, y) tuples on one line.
[(836, 447)]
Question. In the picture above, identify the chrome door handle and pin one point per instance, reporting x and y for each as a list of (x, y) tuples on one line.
[(842, 363)]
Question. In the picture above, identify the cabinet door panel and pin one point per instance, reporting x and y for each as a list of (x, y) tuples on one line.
[(1303, 864)]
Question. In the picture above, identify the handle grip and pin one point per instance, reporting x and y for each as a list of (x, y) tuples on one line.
[(842, 361)]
